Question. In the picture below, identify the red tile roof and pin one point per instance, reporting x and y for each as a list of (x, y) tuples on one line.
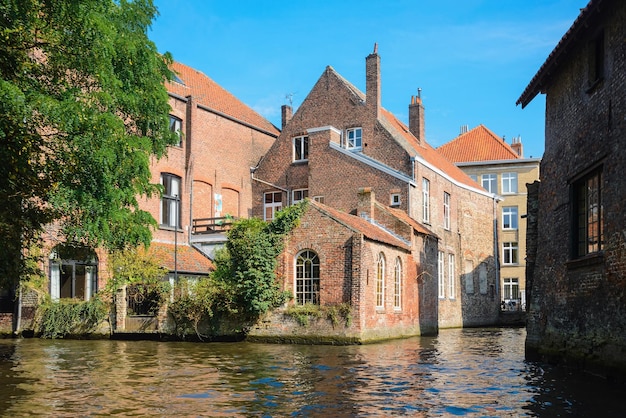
[(361, 225), (188, 259), (478, 144), (427, 152), (403, 216), (211, 95)]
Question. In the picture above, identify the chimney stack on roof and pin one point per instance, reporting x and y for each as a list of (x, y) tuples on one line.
[(516, 145), (286, 114), (464, 129), (372, 81), (417, 123), (365, 208)]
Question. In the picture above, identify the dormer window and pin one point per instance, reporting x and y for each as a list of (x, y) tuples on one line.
[(354, 138), (301, 148)]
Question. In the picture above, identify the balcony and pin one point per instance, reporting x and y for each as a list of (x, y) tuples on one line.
[(203, 226)]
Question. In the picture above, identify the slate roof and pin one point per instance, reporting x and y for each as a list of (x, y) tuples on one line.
[(188, 259), (217, 99), (478, 144), (357, 224)]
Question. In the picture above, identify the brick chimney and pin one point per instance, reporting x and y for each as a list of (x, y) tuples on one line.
[(417, 124), (286, 114), (365, 208), (516, 144), (372, 81)]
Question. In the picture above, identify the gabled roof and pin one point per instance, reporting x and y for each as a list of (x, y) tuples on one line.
[(206, 92), (583, 23), (360, 225), (478, 144), (188, 259), (418, 227)]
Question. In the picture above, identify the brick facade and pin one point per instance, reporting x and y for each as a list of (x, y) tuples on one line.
[(392, 160), (576, 310)]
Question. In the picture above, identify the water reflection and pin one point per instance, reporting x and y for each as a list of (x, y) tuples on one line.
[(475, 372)]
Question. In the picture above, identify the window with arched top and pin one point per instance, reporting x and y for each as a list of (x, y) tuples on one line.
[(380, 281), (397, 284), (307, 278)]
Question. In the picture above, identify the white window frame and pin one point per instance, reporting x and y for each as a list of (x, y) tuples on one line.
[(397, 285), (395, 199), (176, 126), (426, 200), (307, 278), (354, 139), (446, 210), (509, 284), (170, 214), (298, 195), (510, 253), (451, 276), (301, 148), (490, 182), (509, 218), (273, 206), (509, 183), (441, 278), (380, 281)]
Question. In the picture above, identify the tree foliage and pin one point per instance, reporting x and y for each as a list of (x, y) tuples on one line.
[(83, 108)]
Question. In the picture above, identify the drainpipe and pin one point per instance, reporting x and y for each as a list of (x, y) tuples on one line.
[(496, 245)]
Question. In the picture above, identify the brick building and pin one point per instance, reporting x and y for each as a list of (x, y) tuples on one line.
[(577, 281), (341, 141), (501, 169)]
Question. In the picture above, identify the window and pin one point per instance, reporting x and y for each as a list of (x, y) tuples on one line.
[(426, 200), (73, 273), (596, 59), (509, 183), (307, 278), (299, 195), (588, 214), (490, 183), (319, 199), (451, 277), (395, 199), (176, 127), (380, 281), (301, 148), (511, 288), (509, 253), (170, 201), (446, 210), (509, 217), (354, 138), (273, 202), (441, 275), (397, 285)]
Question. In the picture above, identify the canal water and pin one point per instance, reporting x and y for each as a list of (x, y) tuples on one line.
[(471, 372)]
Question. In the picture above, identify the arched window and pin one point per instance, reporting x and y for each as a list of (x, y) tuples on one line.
[(73, 272), (380, 281), (307, 278), (397, 285)]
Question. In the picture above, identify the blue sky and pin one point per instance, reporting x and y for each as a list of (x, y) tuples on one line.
[(471, 58)]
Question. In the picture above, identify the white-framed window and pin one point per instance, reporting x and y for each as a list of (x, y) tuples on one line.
[(510, 253), (354, 138), (307, 278), (395, 199), (509, 183), (319, 199), (170, 201), (301, 148), (490, 182), (380, 281), (299, 195), (272, 203), (451, 277), (426, 200), (509, 217), (446, 210), (176, 126), (74, 277), (441, 278), (397, 285), (511, 288)]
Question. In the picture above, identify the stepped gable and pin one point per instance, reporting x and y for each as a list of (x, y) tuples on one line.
[(478, 144), (206, 92)]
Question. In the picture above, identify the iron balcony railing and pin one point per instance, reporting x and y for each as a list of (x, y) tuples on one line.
[(212, 225)]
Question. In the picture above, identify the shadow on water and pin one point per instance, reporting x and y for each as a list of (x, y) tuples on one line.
[(472, 372)]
